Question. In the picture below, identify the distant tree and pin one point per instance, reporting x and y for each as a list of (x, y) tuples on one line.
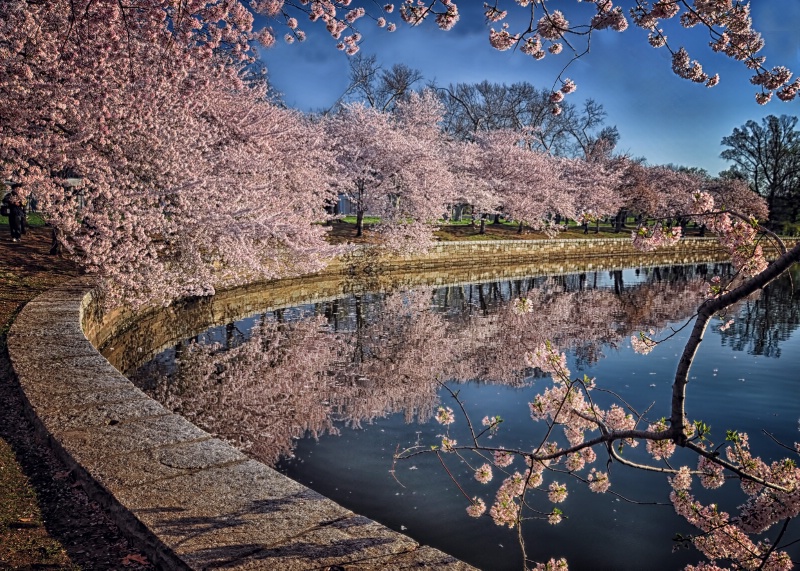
[(473, 192), (689, 170), (592, 184), (525, 181), (472, 108), (377, 87), (768, 156), (362, 138), (423, 184)]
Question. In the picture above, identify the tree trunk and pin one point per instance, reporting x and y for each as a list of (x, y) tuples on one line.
[(519, 228), (483, 225), (619, 222), (619, 283), (55, 245), (359, 223), (706, 311), (496, 219)]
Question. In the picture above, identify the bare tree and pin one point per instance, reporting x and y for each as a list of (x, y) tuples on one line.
[(377, 87), (479, 107)]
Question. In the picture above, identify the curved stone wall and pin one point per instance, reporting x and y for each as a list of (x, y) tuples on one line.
[(192, 501)]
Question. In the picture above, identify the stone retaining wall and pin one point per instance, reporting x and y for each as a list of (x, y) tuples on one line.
[(526, 251), (192, 501), (150, 331)]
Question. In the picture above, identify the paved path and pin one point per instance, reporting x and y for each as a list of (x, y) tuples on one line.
[(46, 521)]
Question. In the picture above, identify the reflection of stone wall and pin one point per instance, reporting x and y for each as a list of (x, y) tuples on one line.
[(127, 341)]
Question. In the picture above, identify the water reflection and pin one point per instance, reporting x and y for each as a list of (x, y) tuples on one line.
[(263, 382), (764, 323), (372, 361)]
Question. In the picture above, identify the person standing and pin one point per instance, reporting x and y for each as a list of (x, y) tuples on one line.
[(15, 204)]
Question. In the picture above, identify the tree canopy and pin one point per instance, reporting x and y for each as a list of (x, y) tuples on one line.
[(767, 155)]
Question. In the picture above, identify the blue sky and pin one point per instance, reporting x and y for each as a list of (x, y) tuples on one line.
[(659, 116)]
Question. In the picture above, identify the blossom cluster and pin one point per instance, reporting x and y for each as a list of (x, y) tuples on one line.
[(643, 343), (484, 474), (598, 481), (648, 239), (553, 565), (738, 237), (508, 502), (546, 358), (445, 416), (660, 449)]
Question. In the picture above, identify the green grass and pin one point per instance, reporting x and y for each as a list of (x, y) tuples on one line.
[(788, 228), (443, 237), (35, 220), (367, 219), (467, 221)]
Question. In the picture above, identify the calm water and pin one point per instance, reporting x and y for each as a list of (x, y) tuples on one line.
[(328, 392)]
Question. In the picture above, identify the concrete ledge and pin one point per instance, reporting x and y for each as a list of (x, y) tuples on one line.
[(190, 500)]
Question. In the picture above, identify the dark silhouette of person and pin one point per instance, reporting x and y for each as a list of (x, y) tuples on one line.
[(16, 204)]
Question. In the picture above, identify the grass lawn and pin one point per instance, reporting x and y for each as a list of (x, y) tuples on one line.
[(35, 220), (344, 231)]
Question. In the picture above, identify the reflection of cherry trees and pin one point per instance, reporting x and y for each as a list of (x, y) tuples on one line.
[(370, 356), (398, 357), (570, 311), (261, 393), (762, 324)]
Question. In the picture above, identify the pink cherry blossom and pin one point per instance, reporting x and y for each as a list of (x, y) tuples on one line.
[(502, 459), (476, 508), (484, 474), (445, 416)]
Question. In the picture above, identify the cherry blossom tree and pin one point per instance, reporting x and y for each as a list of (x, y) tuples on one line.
[(472, 189), (394, 165), (736, 195), (118, 95), (423, 183), (525, 181), (190, 178), (364, 140), (593, 184)]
